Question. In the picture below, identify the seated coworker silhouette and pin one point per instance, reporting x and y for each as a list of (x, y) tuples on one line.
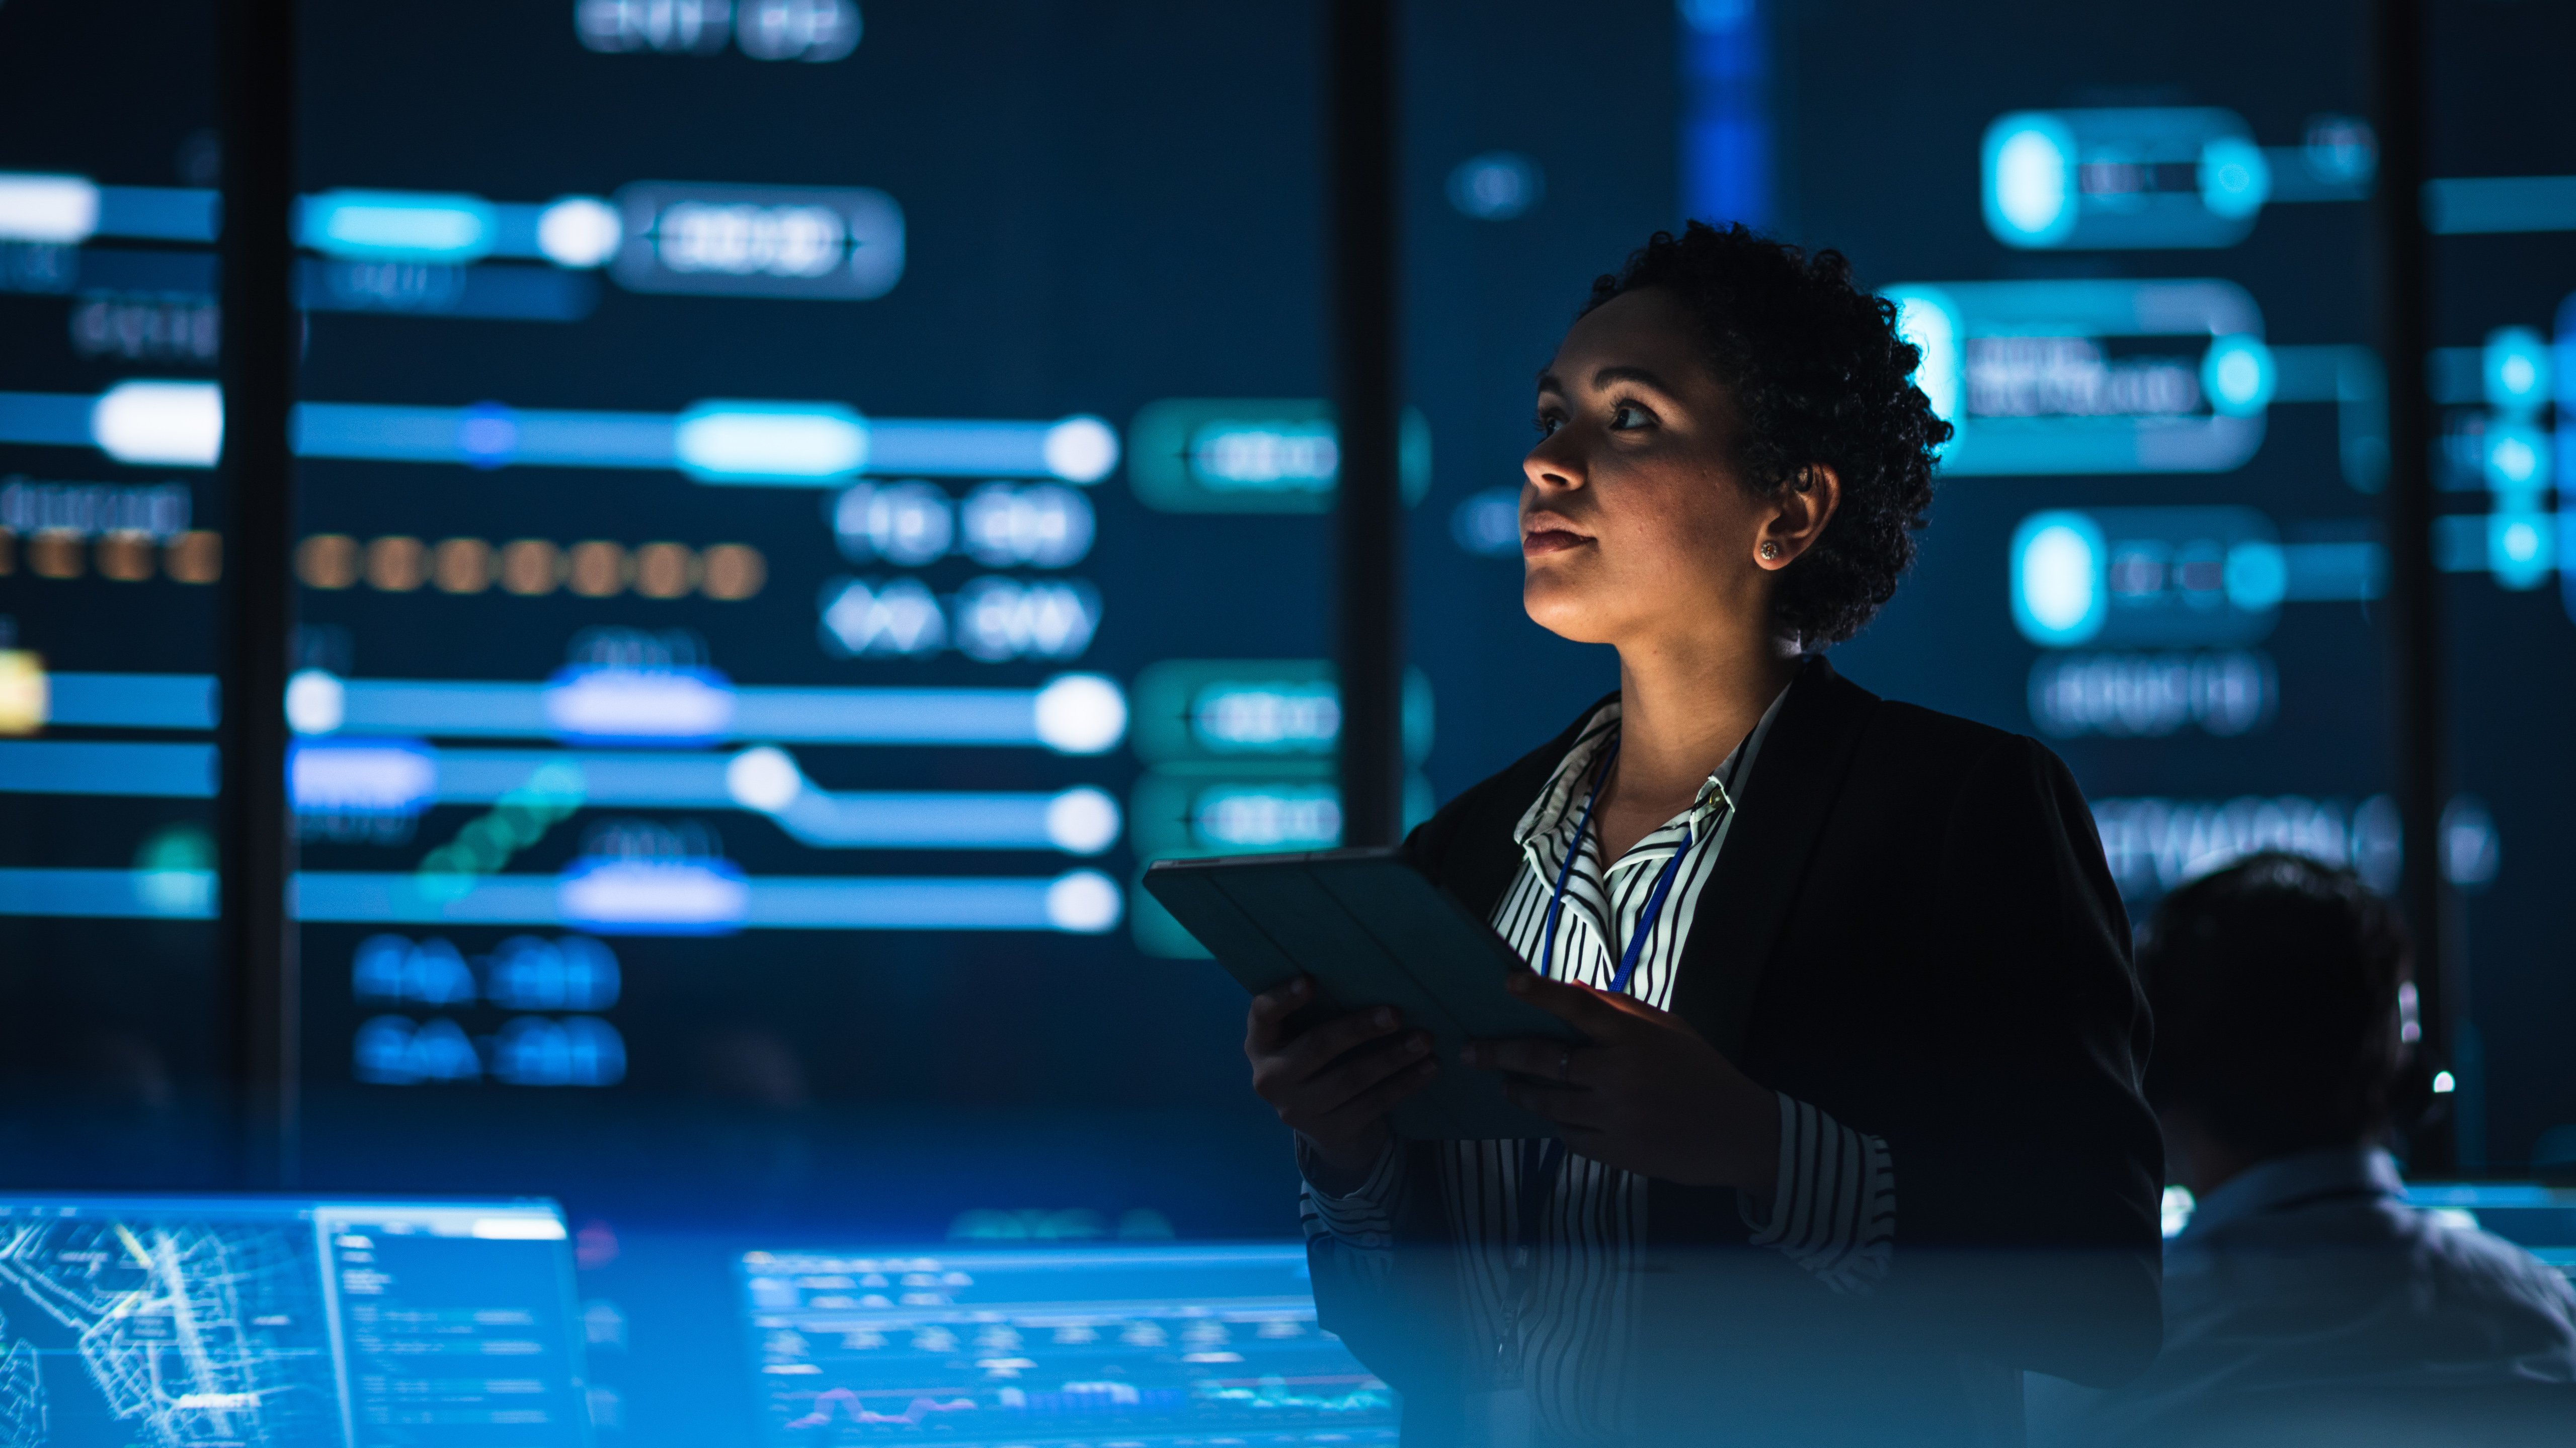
[(1855, 1132), (2305, 1301)]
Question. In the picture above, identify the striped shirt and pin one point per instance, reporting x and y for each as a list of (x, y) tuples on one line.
[(1833, 1211)]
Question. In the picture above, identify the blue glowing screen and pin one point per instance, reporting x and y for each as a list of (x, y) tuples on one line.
[(982, 1345), (316, 1324), (800, 500)]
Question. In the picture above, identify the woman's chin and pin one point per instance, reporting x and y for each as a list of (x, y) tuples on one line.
[(1562, 611)]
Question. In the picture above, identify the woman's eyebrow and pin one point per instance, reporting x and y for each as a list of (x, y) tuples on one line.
[(1639, 375)]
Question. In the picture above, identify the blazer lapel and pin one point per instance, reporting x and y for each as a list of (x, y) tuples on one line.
[(1746, 902)]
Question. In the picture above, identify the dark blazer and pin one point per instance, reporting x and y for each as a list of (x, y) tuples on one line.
[(1912, 928)]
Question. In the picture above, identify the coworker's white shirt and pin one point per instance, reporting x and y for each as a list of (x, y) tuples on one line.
[(2310, 1275)]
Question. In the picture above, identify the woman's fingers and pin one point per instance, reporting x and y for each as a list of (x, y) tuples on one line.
[(1264, 1025), (1330, 1063), (1556, 1061), (1376, 1101), (1581, 1007), (1348, 1081), (1323, 1045)]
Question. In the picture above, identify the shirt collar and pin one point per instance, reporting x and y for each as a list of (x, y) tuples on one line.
[(1561, 802), (2334, 1171)]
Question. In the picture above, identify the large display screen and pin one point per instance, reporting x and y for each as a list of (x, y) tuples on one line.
[(112, 1001), (312, 1324), (2138, 259), (1169, 1344), (801, 500)]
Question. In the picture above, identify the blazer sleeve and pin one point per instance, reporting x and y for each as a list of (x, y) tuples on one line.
[(2028, 1176)]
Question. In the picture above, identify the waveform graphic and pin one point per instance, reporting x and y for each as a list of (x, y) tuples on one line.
[(913, 1415)]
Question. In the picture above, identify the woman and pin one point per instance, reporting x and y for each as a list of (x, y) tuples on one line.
[(1856, 1136)]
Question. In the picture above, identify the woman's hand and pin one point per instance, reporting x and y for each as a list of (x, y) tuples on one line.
[(1333, 1082), (1648, 1095)]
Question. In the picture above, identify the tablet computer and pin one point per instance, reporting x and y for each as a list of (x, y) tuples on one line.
[(1372, 930)]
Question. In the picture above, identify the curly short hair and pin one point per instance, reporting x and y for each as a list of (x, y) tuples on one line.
[(1819, 377)]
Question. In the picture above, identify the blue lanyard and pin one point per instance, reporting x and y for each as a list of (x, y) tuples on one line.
[(1565, 872), (1537, 1184)]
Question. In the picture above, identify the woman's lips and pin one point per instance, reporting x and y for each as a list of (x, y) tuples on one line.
[(1549, 540)]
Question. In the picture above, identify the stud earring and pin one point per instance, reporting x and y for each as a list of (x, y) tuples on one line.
[(1770, 548)]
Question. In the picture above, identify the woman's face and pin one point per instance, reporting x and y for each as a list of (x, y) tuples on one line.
[(1634, 522)]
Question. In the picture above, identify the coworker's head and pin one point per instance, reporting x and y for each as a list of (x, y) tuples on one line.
[(1728, 432), (2275, 985)]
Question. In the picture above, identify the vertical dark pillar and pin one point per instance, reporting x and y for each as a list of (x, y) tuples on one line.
[(1368, 520), (2404, 281), (261, 346)]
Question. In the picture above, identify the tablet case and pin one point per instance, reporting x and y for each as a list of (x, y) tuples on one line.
[(1372, 930)]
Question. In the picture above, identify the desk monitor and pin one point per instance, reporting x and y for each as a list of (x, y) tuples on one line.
[(1166, 1345), (2539, 1219), (175, 1322)]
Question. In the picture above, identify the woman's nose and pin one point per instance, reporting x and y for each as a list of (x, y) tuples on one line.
[(1554, 464)]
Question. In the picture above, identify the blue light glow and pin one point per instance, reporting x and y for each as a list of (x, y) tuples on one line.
[(2206, 576), (48, 419), (770, 442), (2113, 178), (763, 241), (167, 771), (1726, 134), (2514, 457), (663, 706), (1496, 186), (53, 210), (2237, 376), (2235, 179), (391, 778), (1254, 455), (2522, 547), (160, 213), (1283, 816), (705, 902), (2059, 597), (1930, 322), (170, 424), (108, 894), (398, 226), (361, 777), (790, 444), (2514, 372), (2028, 378), (1076, 821), (654, 897), (2483, 204), (1071, 714), (134, 701), (1487, 523), (2258, 577), (2029, 193)]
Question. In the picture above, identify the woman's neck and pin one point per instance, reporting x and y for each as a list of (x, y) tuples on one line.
[(1681, 712)]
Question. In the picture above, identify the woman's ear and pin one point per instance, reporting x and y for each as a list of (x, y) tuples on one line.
[(1799, 516)]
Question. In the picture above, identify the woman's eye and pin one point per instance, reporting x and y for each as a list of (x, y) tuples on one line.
[(1547, 424), (1628, 415)]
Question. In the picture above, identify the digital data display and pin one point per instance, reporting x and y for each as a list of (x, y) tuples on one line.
[(301, 1323), (1168, 1344), (2137, 260), (801, 500), (796, 508), (112, 996)]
